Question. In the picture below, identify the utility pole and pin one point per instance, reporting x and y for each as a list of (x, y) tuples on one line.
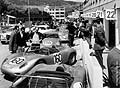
[(29, 12)]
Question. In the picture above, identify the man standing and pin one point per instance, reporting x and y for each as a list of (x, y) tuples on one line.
[(13, 40), (71, 29), (21, 39), (100, 41)]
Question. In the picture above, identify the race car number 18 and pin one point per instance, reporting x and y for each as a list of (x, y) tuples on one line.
[(17, 60), (57, 58)]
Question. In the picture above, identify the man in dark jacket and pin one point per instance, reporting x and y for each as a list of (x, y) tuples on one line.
[(21, 39), (71, 29), (100, 41), (13, 40), (113, 63)]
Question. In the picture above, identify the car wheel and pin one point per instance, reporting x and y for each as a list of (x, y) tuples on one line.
[(72, 59), (23, 84), (9, 78), (2, 42)]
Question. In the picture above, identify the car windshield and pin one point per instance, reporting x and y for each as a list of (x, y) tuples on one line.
[(43, 51), (42, 28), (50, 80), (51, 36)]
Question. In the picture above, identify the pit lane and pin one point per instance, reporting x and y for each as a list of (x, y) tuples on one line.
[(4, 52)]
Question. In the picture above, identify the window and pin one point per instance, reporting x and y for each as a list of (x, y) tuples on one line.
[(61, 12), (57, 9), (61, 9), (57, 12), (57, 15), (61, 15)]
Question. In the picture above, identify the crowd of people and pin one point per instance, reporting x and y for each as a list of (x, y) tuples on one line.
[(19, 38), (84, 29)]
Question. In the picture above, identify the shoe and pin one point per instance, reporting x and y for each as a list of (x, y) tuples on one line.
[(92, 54), (103, 67), (90, 46)]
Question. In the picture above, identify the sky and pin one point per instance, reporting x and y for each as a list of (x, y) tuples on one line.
[(75, 0)]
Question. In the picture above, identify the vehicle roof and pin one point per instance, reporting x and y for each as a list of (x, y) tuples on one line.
[(51, 32), (45, 26)]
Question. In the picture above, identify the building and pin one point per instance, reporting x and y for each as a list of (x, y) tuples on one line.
[(57, 12), (8, 20), (75, 14), (109, 10)]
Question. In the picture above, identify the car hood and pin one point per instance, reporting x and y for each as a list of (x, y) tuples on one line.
[(16, 60)]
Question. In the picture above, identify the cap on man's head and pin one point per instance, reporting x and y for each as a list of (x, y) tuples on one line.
[(16, 27), (22, 28)]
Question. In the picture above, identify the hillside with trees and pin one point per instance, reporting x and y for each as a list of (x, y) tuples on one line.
[(42, 2), (17, 7)]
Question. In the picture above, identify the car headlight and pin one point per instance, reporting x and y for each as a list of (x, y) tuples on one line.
[(77, 85)]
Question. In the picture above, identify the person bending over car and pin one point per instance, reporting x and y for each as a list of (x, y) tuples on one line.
[(36, 38)]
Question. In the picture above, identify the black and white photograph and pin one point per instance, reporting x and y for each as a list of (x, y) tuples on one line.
[(59, 44)]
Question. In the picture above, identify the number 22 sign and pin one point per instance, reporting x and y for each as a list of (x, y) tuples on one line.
[(110, 14)]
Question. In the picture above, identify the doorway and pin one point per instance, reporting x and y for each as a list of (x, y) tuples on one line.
[(111, 33)]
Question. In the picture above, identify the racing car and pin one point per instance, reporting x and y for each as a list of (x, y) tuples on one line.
[(24, 62), (4, 37), (58, 77)]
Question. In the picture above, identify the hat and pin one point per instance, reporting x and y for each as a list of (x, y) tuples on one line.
[(27, 29)]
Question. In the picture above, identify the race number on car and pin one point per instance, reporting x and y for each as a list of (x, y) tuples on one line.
[(17, 60), (47, 43), (57, 58)]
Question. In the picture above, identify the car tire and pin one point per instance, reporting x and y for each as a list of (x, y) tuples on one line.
[(9, 78), (2, 42), (23, 84), (72, 59)]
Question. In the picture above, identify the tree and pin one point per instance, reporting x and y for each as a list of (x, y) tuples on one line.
[(3, 7)]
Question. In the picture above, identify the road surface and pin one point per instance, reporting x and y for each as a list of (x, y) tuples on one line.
[(3, 53)]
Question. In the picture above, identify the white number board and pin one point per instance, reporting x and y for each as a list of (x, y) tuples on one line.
[(110, 14), (93, 15), (99, 14)]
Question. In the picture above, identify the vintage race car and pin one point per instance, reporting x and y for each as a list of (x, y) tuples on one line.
[(55, 78), (22, 63), (4, 37), (53, 37)]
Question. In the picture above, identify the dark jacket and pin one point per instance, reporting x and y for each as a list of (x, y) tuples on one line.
[(71, 29), (21, 41), (99, 38), (13, 42), (113, 63)]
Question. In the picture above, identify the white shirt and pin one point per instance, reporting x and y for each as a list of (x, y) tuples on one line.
[(35, 38)]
